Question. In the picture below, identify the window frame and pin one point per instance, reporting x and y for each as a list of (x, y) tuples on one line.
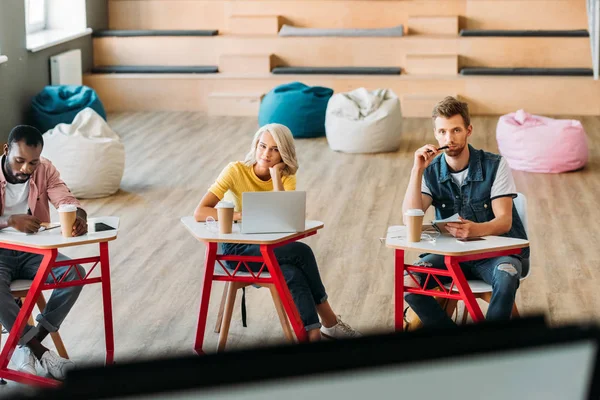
[(39, 26)]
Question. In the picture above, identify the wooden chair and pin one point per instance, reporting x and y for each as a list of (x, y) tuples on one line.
[(412, 321), (19, 289), (228, 301)]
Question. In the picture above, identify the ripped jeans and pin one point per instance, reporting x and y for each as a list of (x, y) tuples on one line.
[(502, 273)]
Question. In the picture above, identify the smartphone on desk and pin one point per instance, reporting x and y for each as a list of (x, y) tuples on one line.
[(101, 226), (471, 239)]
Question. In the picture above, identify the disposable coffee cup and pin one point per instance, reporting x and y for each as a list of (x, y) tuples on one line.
[(414, 223), (68, 214), (225, 216)]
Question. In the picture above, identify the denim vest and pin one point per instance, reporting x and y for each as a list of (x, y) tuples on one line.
[(472, 200)]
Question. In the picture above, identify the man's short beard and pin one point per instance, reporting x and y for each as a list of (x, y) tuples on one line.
[(9, 173), (455, 153)]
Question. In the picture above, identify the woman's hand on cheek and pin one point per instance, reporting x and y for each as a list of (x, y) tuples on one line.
[(277, 168)]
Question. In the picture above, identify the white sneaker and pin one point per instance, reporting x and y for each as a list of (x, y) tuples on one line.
[(55, 365), (341, 330), (24, 360)]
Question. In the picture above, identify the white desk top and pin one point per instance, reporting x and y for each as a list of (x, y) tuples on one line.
[(201, 232), (447, 245), (53, 239)]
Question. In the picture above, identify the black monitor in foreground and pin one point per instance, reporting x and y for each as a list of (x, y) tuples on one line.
[(521, 359)]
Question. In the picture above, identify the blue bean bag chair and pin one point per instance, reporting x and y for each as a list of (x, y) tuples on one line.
[(297, 106), (60, 104)]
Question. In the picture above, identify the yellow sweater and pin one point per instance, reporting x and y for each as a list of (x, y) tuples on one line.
[(238, 178)]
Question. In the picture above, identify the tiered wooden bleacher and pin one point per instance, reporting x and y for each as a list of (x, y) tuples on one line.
[(184, 65)]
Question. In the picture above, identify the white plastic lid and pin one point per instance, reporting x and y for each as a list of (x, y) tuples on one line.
[(414, 212), (67, 208), (224, 204)]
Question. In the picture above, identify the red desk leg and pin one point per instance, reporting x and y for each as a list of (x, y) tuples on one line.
[(284, 293), (21, 321), (209, 267), (107, 303), (463, 287), (399, 284), (28, 379), (32, 295)]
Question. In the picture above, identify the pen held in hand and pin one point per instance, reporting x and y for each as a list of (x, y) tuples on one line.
[(46, 226), (440, 149)]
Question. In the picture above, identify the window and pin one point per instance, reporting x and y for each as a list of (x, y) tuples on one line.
[(35, 15), (51, 22)]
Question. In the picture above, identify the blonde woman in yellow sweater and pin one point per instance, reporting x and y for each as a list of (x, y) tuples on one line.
[(271, 165)]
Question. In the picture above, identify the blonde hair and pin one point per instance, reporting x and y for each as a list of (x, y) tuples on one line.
[(285, 144)]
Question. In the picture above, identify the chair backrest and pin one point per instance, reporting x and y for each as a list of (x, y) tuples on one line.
[(521, 206)]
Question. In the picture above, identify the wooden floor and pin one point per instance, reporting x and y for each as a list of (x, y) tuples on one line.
[(173, 157)]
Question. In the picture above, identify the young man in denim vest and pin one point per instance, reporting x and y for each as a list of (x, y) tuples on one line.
[(479, 187)]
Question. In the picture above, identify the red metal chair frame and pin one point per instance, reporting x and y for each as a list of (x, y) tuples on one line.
[(269, 263), (454, 271)]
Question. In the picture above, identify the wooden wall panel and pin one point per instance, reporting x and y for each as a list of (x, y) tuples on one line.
[(526, 14), (486, 95), (331, 51)]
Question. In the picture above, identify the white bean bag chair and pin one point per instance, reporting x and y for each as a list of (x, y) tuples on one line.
[(88, 154), (539, 144), (363, 121)]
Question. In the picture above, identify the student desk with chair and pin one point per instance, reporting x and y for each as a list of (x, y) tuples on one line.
[(271, 219), (454, 252), (47, 243), (270, 273)]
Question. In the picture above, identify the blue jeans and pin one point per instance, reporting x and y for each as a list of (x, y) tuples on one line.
[(502, 273), (301, 273), (19, 265)]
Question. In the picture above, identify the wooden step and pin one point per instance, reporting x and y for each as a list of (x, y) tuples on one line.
[(335, 51), (167, 14), (234, 103), (474, 14), (525, 52), (254, 24), (487, 95), (431, 64), (246, 63), (421, 105), (428, 25), (211, 14), (298, 51), (511, 14)]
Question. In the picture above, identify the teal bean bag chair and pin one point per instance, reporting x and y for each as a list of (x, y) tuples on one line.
[(60, 104), (297, 106)]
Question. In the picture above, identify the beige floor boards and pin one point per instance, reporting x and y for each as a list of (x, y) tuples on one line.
[(172, 158)]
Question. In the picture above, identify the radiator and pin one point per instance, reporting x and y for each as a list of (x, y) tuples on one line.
[(65, 68)]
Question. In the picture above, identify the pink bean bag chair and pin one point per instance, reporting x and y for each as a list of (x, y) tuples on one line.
[(540, 144)]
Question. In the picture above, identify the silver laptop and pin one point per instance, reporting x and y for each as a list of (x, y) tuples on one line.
[(273, 212)]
